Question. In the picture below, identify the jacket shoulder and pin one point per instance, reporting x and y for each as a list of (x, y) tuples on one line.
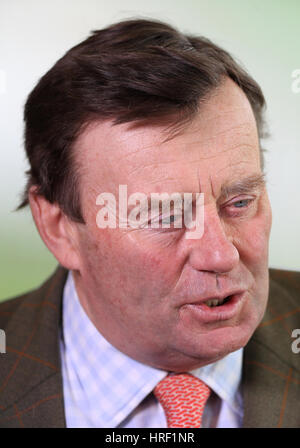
[(271, 369), (284, 295), (10, 306), (30, 372), (31, 299), (287, 279), (282, 316)]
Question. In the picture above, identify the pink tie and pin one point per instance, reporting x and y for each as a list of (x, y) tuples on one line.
[(183, 397)]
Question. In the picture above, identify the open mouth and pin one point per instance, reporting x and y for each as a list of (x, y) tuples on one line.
[(217, 308), (217, 302)]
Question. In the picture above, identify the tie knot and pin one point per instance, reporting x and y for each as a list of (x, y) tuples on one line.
[(183, 397)]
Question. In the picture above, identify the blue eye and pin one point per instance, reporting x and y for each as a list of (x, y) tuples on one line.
[(169, 220), (172, 221), (241, 203)]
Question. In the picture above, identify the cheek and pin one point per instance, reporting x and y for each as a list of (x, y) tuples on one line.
[(131, 269), (154, 274)]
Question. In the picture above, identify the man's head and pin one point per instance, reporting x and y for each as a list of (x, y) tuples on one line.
[(142, 105)]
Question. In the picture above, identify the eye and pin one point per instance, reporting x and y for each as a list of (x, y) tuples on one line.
[(241, 203), (168, 219), (240, 207), (172, 219)]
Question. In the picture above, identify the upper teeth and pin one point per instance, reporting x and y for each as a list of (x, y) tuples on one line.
[(214, 302)]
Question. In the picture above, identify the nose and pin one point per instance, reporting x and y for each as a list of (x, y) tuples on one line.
[(214, 251)]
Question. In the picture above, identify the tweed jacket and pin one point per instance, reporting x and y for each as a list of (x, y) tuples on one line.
[(31, 390)]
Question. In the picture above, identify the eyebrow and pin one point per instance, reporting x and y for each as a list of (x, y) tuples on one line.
[(244, 186)]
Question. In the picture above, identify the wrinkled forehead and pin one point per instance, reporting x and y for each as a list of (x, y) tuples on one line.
[(220, 144)]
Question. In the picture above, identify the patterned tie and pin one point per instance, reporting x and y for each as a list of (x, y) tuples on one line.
[(183, 397)]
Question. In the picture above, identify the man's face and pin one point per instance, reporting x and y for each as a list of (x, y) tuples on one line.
[(144, 289)]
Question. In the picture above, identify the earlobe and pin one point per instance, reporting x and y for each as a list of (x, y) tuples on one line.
[(55, 230)]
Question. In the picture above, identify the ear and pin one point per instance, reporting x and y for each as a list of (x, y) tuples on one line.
[(58, 232)]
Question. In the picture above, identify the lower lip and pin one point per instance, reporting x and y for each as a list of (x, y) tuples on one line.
[(222, 312)]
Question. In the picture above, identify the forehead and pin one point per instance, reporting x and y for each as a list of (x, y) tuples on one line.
[(219, 146)]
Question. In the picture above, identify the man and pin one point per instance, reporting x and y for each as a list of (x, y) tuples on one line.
[(138, 313)]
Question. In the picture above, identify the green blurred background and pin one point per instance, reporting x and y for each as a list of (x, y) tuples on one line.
[(264, 35)]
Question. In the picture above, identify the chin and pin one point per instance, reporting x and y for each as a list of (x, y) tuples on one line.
[(219, 342)]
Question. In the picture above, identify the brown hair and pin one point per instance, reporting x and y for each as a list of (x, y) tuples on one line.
[(133, 71)]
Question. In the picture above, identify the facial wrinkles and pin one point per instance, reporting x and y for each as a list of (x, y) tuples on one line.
[(183, 169), (166, 171), (187, 151), (204, 282)]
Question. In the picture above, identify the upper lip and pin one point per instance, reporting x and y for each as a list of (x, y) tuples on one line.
[(217, 296)]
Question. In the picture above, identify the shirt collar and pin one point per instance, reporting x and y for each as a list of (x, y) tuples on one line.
[(224, 378), (100, 373)]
